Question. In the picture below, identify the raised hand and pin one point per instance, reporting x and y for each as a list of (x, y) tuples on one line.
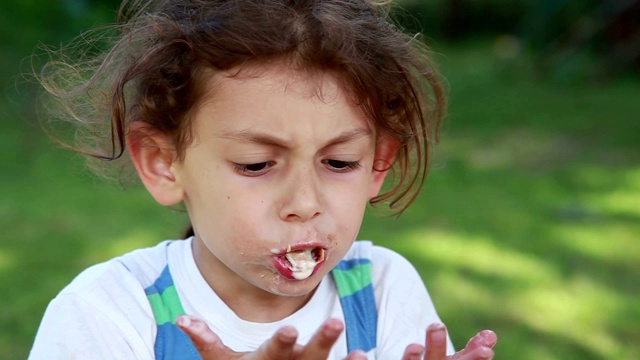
[(281, 346)]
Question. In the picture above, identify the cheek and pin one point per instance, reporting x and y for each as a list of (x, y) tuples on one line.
[(348, 213), (237, 220)]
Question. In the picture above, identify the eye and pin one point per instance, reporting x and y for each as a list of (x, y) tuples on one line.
[(255, 169), (342, 166)]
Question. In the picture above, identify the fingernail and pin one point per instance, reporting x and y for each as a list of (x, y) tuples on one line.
[(438, 332), (288, 334), (439, 336), (334, 327), (183, 321), (488, 338)]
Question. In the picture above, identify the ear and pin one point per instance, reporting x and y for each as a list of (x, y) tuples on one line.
[(384, 156), (153, 154)]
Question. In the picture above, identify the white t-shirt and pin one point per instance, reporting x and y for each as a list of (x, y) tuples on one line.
[(104, 313)]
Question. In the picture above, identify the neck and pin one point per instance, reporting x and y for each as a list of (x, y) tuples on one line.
[(247, 301)]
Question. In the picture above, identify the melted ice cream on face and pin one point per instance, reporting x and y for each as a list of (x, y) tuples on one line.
[(302, 263)]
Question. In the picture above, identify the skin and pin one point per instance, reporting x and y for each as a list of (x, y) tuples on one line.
[(282, 345), (280, 159)]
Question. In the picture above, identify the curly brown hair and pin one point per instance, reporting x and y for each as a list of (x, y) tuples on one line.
[(160, 50)]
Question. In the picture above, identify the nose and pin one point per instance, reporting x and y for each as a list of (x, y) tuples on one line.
[(301, 198)]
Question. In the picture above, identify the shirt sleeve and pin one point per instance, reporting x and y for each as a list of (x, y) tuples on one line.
[(405, 309), (105, 320)]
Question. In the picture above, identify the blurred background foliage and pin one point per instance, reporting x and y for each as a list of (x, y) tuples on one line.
[(597, 39), (528, 225)]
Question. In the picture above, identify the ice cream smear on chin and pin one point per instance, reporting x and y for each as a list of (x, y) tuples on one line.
[(302, 262)]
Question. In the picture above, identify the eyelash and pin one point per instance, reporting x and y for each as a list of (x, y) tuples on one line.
[(346, 166), (245, 169), (334, 165)]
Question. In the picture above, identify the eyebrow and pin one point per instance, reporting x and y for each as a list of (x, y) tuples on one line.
[(252, 136)]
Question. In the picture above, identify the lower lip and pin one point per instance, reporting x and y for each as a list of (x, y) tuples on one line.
[(280, 264)]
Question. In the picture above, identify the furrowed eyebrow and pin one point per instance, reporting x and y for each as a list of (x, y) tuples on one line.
[(348, 136), (252, 136)]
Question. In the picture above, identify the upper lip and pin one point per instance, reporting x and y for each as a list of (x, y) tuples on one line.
[(302, 246)]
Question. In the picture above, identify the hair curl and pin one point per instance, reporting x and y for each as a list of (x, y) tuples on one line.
[(160, 49)]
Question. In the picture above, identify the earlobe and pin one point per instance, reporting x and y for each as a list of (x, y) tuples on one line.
[(385, 154), (153, 155)]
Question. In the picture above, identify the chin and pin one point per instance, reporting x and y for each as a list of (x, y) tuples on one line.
[(295, 288)]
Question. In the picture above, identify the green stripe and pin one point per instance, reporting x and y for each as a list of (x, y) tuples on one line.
[(353, 280), (166, 306)]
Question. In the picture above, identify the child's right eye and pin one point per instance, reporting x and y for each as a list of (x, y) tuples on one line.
[(253, 169)]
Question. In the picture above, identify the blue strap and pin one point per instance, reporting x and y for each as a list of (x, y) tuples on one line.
[(171, 343), (354, 284)]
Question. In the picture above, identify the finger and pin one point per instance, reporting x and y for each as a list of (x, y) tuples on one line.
[(479, 347), (357, 355), (413, 352), (205, 341), (280, 346), (321, 343), (436, 347), (481, 353), (483, 339), (486, 338)]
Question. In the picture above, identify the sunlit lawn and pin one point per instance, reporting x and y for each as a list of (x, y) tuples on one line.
[(528, 225)]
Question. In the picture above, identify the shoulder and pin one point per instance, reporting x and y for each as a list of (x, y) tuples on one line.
[(117, 285), (118, 274), (104, 312), (395, 280)]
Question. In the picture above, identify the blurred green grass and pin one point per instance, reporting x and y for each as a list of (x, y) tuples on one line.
[(528, 224)]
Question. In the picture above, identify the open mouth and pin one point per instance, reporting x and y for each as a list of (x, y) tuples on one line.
[(300, 264)]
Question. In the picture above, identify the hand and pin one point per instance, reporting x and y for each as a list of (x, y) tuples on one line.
[(281, 346), (480, 347)]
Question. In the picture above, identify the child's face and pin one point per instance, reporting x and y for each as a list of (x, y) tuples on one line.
[(275, 168)]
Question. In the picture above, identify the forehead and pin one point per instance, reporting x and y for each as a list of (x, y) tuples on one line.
[(270, 91), (282, 77)]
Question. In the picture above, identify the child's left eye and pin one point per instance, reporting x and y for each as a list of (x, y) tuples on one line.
[(342, 166), (255, 169)]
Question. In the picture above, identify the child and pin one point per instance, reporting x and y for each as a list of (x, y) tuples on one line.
[(274, 122)]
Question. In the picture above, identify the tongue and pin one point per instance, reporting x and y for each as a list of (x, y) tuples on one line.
[(302, 263)]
